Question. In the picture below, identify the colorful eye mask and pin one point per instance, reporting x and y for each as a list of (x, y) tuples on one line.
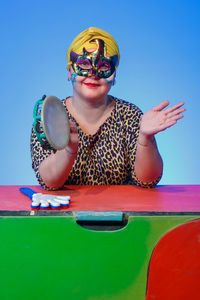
[(94, 63)]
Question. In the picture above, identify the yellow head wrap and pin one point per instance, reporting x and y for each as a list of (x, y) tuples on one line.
[(83, 41)]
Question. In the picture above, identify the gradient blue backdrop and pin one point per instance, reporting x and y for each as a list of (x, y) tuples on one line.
[(159, 46)]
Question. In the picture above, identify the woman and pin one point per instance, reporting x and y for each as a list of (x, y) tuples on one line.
[(111, 141)]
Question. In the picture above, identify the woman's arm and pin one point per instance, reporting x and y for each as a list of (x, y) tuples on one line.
[(55, 169), (148, 162)]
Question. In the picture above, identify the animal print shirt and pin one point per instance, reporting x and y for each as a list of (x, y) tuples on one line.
[(105, 158)]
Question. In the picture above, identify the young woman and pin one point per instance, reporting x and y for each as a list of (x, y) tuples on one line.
[(111, 141)]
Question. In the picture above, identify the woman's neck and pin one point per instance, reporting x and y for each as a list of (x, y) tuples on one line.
[(90, 115), (91, 110)]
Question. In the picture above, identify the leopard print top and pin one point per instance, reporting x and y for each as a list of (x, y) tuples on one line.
[(105, 158)]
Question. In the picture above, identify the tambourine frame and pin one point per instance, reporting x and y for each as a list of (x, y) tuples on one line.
[(44, 125)]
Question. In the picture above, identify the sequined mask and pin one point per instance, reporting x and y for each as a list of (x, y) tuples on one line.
[(94, 63)]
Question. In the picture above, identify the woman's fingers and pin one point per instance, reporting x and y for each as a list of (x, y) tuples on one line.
[(74, 137), (171, 114), (170, 122), (167, 124), (158, 119), (174, 107), (176, 117), (165, 103), (160, 106), (73, 127), (175, 112)]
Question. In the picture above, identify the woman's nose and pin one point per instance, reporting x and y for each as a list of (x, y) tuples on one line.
[(95, 77)]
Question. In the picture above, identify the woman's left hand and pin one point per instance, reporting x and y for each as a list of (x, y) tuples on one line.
[(158, 119)]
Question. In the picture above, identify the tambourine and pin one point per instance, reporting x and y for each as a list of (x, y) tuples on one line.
[(51, 123)]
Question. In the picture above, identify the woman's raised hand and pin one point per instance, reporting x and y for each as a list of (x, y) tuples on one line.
[(158, 119)]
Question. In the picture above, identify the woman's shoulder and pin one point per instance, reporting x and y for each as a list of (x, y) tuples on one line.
[(126, 106)]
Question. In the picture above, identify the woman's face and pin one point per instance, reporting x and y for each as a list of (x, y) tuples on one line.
[(92, 87)]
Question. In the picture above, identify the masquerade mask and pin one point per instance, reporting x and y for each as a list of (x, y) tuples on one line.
[(94, 63)]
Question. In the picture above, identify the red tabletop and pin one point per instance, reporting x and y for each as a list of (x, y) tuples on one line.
[(172, 198)]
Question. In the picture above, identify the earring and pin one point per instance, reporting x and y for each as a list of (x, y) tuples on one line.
[(114, 81)]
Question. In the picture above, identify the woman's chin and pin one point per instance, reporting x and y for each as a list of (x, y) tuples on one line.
[(92, 93)]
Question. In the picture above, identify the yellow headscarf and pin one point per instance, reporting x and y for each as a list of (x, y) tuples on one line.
[(83, 41)]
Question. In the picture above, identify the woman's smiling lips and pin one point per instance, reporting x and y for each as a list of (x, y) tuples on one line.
[(89, 84)]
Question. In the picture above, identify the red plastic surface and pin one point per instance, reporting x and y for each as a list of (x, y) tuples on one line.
[(112, 198), (174, 270)]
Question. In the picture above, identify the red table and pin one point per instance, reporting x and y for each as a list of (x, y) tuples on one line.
[(172, 198)]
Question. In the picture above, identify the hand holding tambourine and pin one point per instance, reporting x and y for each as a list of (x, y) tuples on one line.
[(52, 127)]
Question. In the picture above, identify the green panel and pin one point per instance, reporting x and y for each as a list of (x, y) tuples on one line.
[(54, 258)]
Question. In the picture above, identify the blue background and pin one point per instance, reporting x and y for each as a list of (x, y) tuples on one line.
[(159, 46)]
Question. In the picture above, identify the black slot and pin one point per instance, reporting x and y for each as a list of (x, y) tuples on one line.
[(103, 225)]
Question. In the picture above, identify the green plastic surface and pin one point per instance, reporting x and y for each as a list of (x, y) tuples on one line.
[(54, 258)]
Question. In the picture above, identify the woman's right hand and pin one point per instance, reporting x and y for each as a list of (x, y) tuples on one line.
[(72, 146)]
